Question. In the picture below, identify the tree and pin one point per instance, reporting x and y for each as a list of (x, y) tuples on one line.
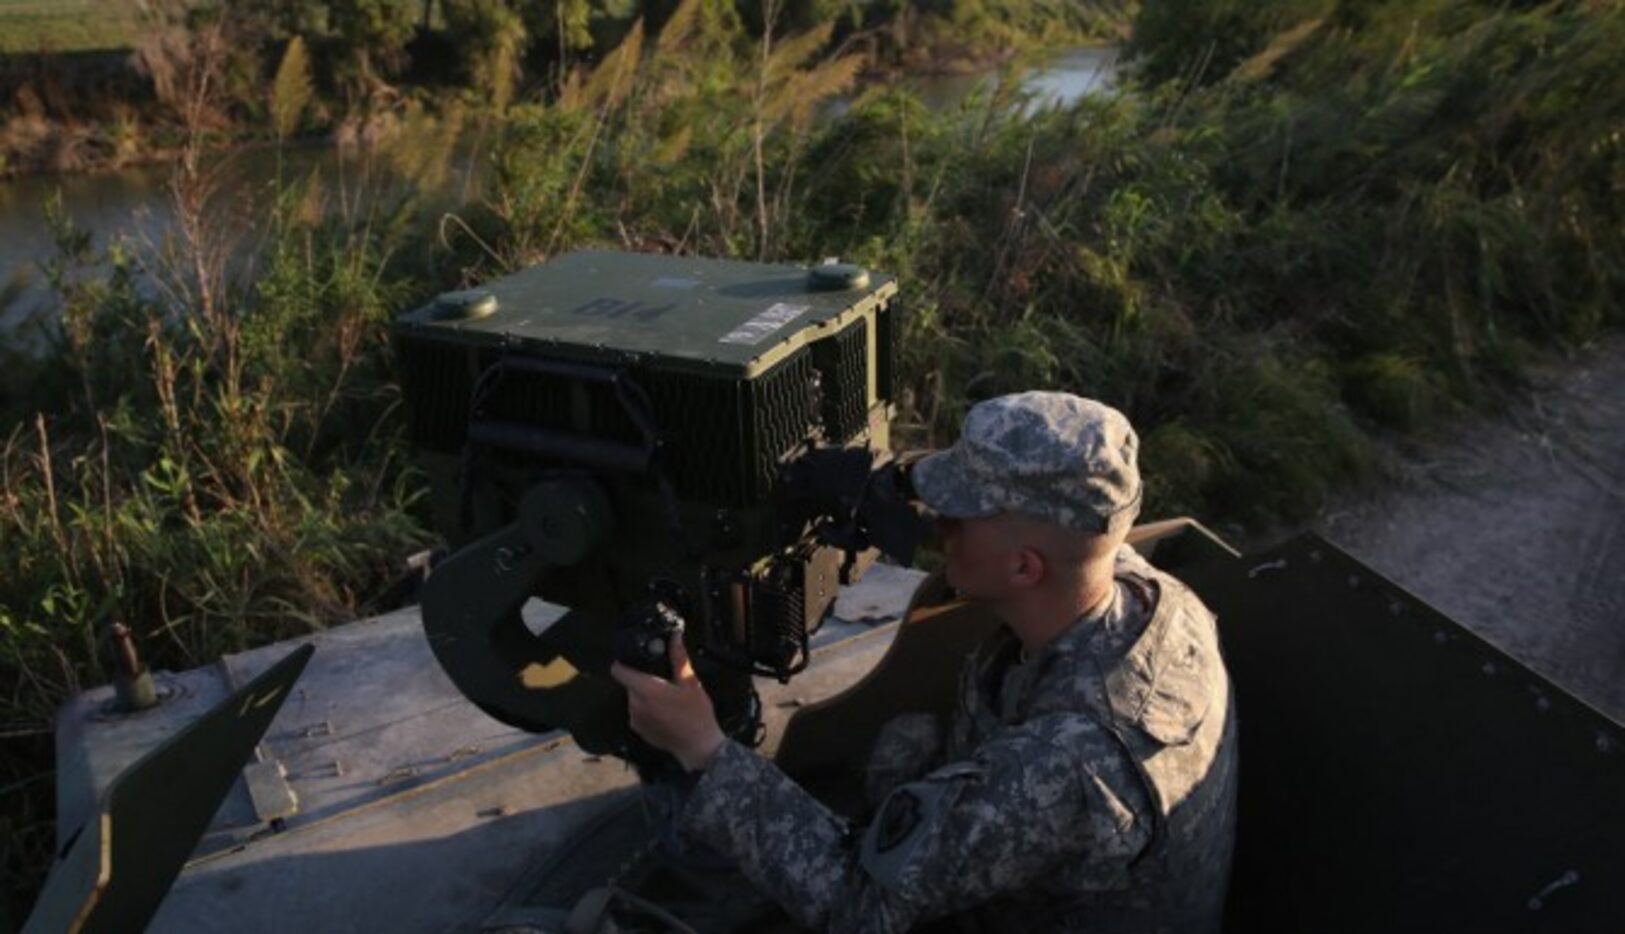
[(376, 33), (489, 36)]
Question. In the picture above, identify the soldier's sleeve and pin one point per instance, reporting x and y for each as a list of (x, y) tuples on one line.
[(1051, 790), (907, 747)]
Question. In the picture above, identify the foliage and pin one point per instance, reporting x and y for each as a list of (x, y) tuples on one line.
[(208, 456), (1202, 40), (1366, 220), (291, 89), (375, 32), (31, 26), (490, 36), (1012, 24), (369, 61), (564, 27), (1344, 219), (708, 121)]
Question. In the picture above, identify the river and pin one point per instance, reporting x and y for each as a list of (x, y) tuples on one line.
[(134, 203)]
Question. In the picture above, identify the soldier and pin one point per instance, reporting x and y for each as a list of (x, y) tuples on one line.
[(1087, 778)]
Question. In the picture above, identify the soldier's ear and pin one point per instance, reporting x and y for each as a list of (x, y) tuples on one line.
[(1028, 566)]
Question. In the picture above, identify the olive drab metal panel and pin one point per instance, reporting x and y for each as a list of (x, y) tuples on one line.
[(715, 317), (1398, 772), (681, 391), (112, 874), (733, 363)]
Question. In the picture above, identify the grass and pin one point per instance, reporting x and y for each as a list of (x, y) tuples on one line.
[(1359, 227), (1342, 228), (44, 26), (208, 454)]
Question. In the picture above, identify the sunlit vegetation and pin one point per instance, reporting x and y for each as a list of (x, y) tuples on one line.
[(1307, 227), (1366, 220), (34, 26), (370, 63)]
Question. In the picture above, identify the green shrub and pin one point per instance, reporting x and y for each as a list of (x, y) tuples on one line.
[(1202, 41), (213, 460), (1366, 225), (1341, 230)]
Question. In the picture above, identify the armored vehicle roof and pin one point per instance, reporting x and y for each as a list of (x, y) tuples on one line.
[(402, 807), (730, 318)]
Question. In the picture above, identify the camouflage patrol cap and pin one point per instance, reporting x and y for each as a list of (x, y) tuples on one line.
[(1049, 455)]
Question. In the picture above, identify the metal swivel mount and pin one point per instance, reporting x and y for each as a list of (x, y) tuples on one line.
[(555, 679)]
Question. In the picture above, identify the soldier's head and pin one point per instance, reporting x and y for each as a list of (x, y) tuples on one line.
[(1039, 491)]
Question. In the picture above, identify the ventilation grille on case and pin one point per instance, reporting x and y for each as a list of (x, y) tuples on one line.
[(724, 437), (888, 344), (843, 363)]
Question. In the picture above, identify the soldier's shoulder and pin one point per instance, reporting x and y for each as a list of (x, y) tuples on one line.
[(1174, 676)]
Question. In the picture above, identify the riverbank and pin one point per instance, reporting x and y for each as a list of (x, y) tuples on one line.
[(73, 150), (201, 79), (1367, 227), (134, 202)]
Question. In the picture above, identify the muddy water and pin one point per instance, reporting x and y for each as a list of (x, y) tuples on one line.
[(135, 204)]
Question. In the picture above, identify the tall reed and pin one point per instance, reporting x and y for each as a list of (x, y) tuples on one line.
[(1361, 218)]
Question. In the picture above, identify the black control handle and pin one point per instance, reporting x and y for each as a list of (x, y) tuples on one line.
[(643, 640)]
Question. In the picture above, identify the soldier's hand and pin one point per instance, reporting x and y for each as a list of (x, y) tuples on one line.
[(674, 715)]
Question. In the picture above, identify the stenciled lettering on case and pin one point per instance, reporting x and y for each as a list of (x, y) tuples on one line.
[(621, 308), (774, 317)]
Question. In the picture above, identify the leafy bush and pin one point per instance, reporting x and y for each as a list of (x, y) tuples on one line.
[(210, 458), (1352, 218), (1361, 222), (1201, 41)]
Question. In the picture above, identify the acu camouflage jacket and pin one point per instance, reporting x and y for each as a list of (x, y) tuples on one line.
[(1091, 787)]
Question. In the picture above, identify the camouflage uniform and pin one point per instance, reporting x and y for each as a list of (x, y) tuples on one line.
[(1090, 787)]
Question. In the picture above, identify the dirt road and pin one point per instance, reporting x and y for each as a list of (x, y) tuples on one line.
[(1515, 525)]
